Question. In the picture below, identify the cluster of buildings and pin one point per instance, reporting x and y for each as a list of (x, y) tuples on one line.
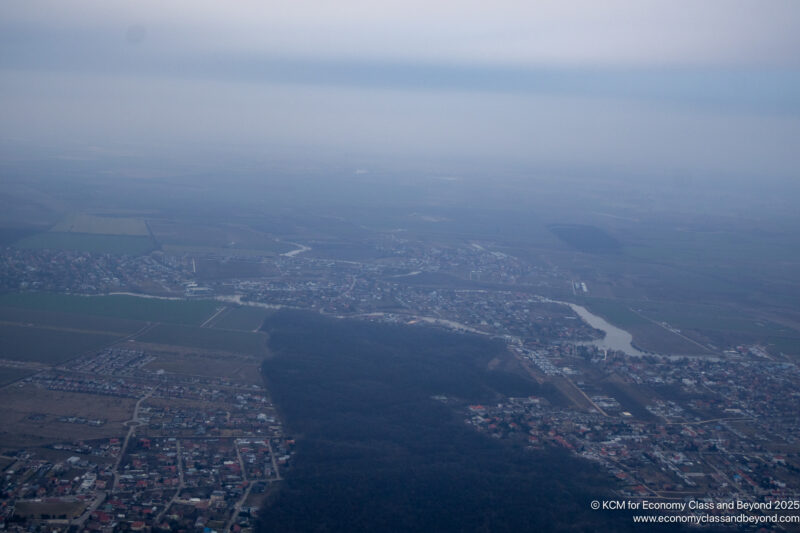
[(710, 429), (117, 361), (90, 273), (198, 453), (352, 289), (200, 450), (384, 283)]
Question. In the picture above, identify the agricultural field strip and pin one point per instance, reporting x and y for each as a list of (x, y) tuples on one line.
[(50, 346), (214, 339), (89, 242), (125, 307), (36, 367), (662, 326), (244, 318), (56, 328), (207, 323), (104, 225)]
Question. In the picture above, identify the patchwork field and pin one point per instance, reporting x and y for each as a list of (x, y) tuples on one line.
[(97, 234)]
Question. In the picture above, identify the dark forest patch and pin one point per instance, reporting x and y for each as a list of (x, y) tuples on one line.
[(589, 239), (376, 453)]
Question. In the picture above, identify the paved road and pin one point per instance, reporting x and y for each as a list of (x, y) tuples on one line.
[(133, 423)]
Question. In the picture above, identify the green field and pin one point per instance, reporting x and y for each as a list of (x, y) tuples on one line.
[(40, 317), (203, 250), (84, 223), (243, 342), (615, 312), (715, 318), (89, 233), (712, 248), (115, 306), (49, 346), (226, 239), (646, 335), (10, 374), (653, 338), (245, 318), (790, 346), (89, 242)]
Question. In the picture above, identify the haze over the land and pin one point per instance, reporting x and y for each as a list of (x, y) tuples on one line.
[(397, 265), (656, 88)]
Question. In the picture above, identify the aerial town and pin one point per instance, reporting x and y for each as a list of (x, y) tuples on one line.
[(198, 453)]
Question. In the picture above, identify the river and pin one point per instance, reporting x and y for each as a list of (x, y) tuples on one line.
[(302, 248)]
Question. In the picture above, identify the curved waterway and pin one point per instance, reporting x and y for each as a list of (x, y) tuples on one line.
[(302, 248), (615, 338)]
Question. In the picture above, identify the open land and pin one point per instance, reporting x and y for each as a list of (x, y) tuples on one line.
[(115, 306), (31, 416), (68, 321), (48, 345), (11, 374), (207, 338), (105, 225), (88, 242), (96, 234), (242, 318)]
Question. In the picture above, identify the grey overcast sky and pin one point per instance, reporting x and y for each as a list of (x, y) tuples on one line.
[(707, 88)]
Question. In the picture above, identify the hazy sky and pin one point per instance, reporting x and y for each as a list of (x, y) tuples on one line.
[(706, 88)]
